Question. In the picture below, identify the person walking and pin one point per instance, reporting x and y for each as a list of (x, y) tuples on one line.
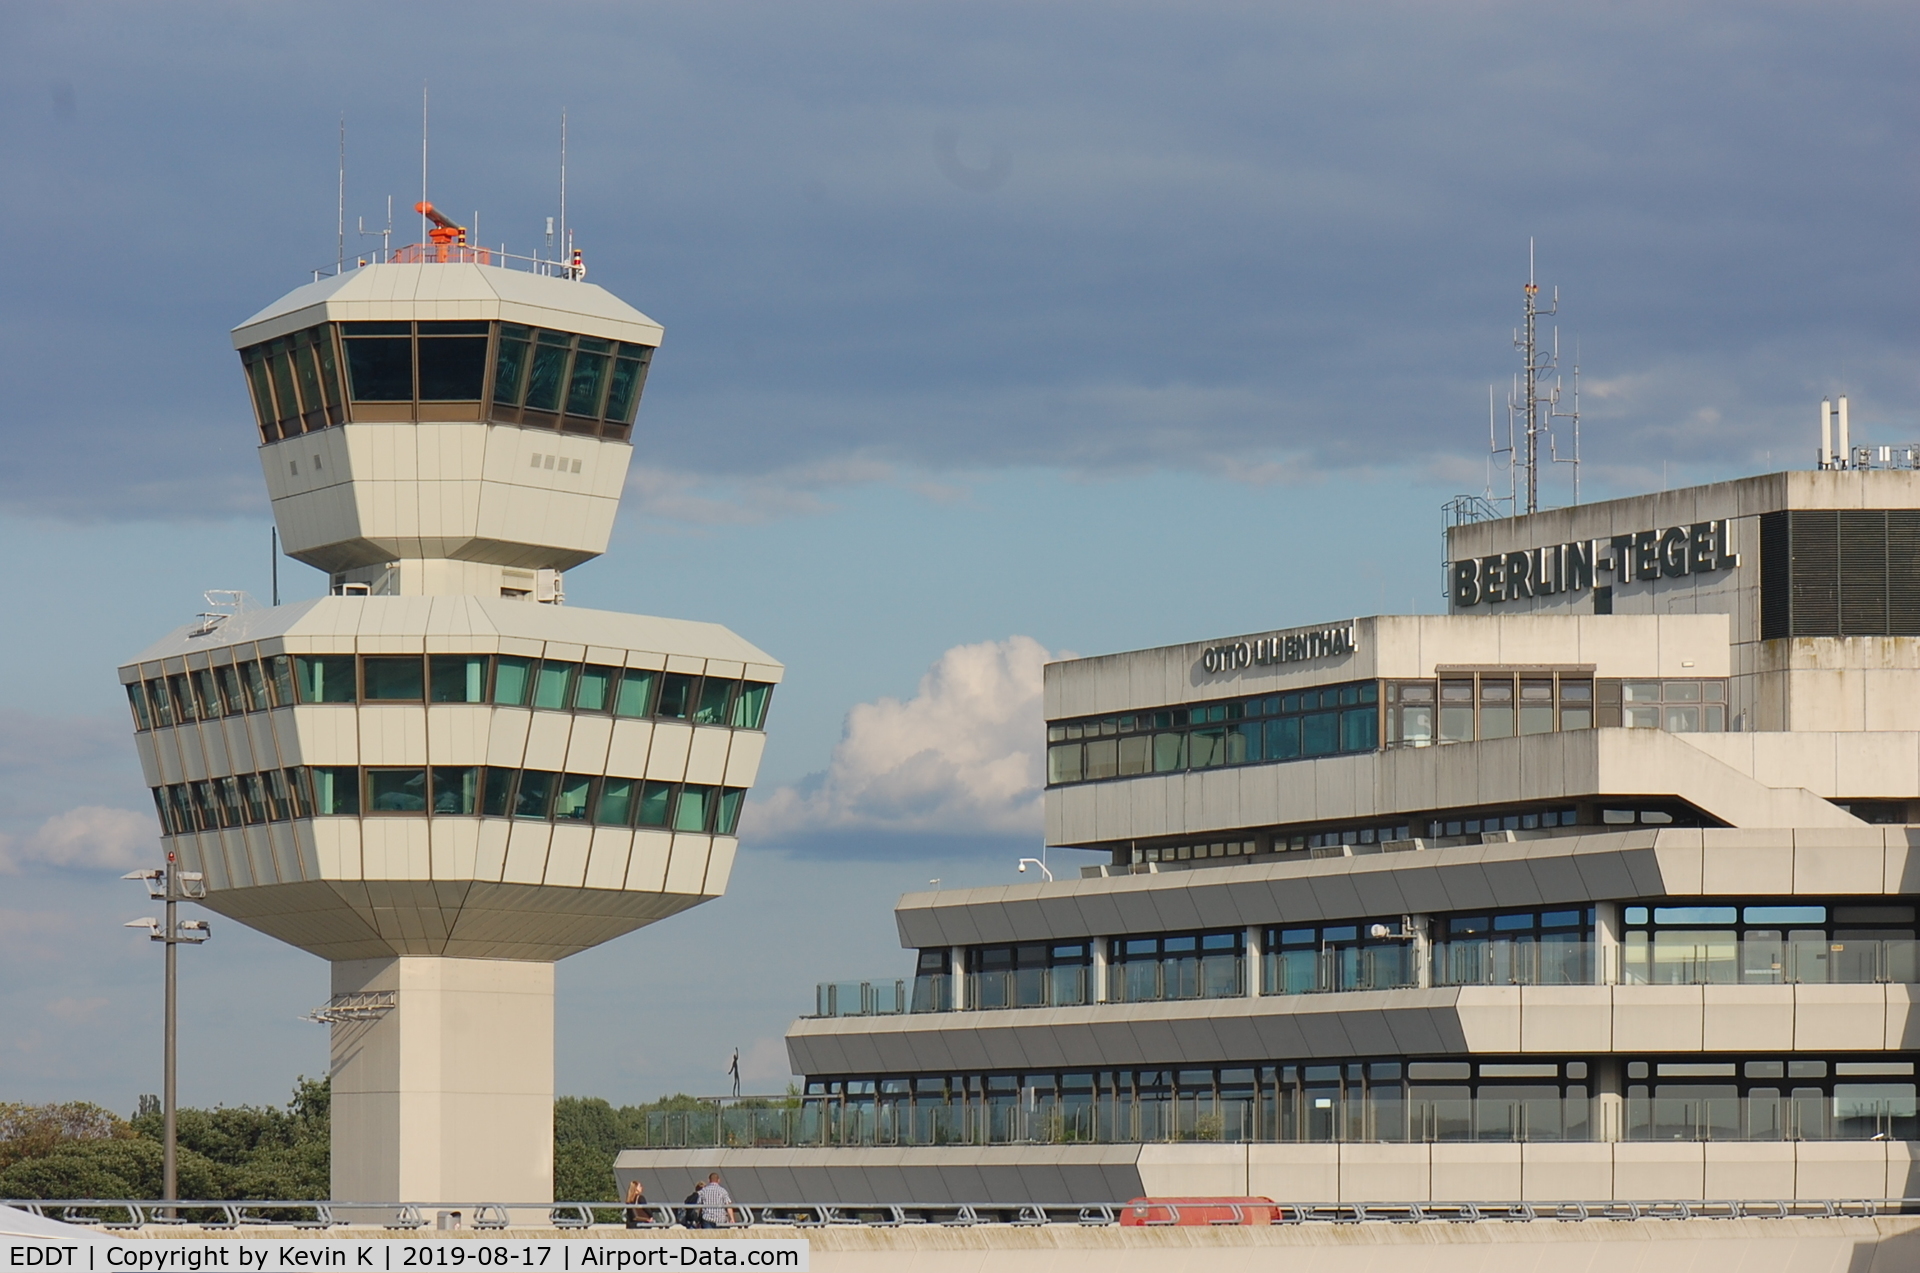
[(636, 1204), (690, 1207), (716, 1204)]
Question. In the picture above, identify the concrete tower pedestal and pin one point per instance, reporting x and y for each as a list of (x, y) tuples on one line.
[(448, 1095)]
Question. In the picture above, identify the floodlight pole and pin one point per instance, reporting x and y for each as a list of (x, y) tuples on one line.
[(171, 884)]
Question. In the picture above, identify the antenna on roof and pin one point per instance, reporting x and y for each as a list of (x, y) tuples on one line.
[(423, 160), (1536, 365), (340, 262), (565, 243)]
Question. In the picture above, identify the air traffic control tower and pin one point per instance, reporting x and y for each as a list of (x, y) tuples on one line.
[(438, 777)]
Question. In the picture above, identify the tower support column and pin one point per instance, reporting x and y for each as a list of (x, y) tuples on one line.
[(446, 1095)]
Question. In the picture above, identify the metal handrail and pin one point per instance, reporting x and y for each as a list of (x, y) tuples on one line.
[(232, 1215)]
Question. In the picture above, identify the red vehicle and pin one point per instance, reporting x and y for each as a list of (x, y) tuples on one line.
[(1171, 1211)]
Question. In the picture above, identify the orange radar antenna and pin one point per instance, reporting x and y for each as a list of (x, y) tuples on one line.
[(445, 233)]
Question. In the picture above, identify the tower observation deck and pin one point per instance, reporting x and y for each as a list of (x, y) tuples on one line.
[(440, 778)]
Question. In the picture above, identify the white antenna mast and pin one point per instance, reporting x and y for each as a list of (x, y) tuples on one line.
[(423, 162), (565, 243), (1535, 365), (340, 262), (1555, 413)]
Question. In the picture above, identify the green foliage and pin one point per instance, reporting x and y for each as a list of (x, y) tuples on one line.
[(588, 1133), (82, 1151)]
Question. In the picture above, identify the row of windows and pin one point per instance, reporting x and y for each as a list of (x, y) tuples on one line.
[(505, 680), (1399, 1100), (523, 375), (1343, 719), (1345, 841), (278, 795)]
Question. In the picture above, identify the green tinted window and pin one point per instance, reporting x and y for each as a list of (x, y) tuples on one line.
[(636, 692), (729, 816), (336, 791), (512, 678), (497, 795), (459, 678), (392, 678), (280, 365), (656, 798), (750, 708), (309, 372), (379, 369), (570, 803), (282, 665), (549, 369), (590, 692), (396, 791), (629, 374), (452, 368), (324, 678), (455, 790), (1319, 733), (258, 699), (616, 802), (509, 367), (262, 395), (329, 370), (690, 811), (589, 378), (550, 691), (534, 795), (714, 694), (676, 696)]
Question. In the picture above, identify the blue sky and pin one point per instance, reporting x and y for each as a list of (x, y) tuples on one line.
[(1095, 325)]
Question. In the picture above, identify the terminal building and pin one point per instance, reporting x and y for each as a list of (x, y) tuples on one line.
[(1600, 885), (437, 776)]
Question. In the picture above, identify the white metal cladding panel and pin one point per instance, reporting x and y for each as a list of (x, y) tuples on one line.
[(567, 855), (457, 733), (329, 735), (647, 868), (507, 737), (667, 761), (239, 747), (707, 755), (193, 757), (607, 863), (547, 740), (159, 764), (286, 736), (280, 847), (587, 745), (490, 855), (731, 669), (254, 843), (720, 864), (627, 752), (393, 734), (687, 869), (213, 744), (527, 852), (455, 847), (743, 757), (241, 867), (266, 750), (199, 854), (647, 659), (566, 651)]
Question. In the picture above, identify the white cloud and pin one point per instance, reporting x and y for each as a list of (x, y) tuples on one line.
[(964, 754), (90, 836)]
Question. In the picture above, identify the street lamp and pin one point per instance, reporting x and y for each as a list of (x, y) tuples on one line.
[(173, 886), (1026, 862)]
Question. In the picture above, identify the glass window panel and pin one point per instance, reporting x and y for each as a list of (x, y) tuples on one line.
[(1206, 748), (570, 802), (509, 367), (393, 678), (656, 799), (550, 691), (750, 705), (1360, 729), (1456, 723), (590, 693), (279, 796), (714, 696), (380, 369), (615, 807), (396, 791), (1319, 733), (1643, 717), (255, 680), (690, 811), (1496, 722), (458, 678), (727, 817), (229, 677), (329, 370), (1692, 915), (324, 678), (1641, 691), (636, 692), (262, 396), (1536, 718), (207, 694), (588, 379), (535, 794), (512, 679), (452, 368), (629, 374), (1283, 738), (137, 699), (160, 700), (1576, 718), (497, 795), (1169, 753), (1682, 692), (282, 667), (1063, 763), (1136, 754), (336, 791), (676, 696), (309, 373), (1103, 758), (1683, 720), (253, 793), (1785, 915), (456, 789), (301, 781), (280, 365), (549, 369), (1576, 691)]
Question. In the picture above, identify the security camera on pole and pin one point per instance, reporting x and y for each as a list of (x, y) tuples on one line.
[(172, 885)]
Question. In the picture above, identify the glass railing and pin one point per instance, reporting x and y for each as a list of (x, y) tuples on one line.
[(1508, 963), (1766, 962), (1058, 987), (859, 998), (1851, 1112), (1336, 969)]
